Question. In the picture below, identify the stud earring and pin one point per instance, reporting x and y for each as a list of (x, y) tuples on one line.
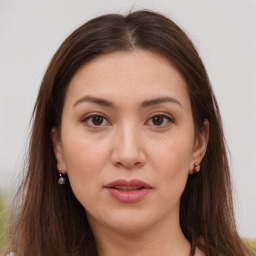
[(62, 179), (196, 168)]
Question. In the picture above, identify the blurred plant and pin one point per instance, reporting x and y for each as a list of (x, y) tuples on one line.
[(3, 222), (251, 243)]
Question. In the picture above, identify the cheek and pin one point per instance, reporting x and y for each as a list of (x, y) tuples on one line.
[(84, 155), (173, 155), (85, 159), (171, 160)]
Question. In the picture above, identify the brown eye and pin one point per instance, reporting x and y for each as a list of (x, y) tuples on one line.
[(160, 121), (157, 120), (95, 121)]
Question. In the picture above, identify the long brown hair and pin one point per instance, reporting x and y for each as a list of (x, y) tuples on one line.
[(50, 220)]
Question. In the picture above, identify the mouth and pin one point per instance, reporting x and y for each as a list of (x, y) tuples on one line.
[(128, 185), (127, 188), (128, 191)]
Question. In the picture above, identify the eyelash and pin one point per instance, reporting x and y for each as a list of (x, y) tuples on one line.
[(90, 116), (165, 117)]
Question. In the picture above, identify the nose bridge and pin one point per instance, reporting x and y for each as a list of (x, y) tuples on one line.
[(128, 139), (128, 150)]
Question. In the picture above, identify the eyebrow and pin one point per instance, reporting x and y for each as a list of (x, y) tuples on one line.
[(146, 103), (96, 100), (156, 101)]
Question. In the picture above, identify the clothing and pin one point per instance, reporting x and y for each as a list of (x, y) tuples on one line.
[(11, 254)]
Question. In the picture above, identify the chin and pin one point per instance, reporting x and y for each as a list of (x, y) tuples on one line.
[(128, 222), (128, 227)]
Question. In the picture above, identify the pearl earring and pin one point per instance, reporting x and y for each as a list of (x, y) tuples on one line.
[(62, 179)]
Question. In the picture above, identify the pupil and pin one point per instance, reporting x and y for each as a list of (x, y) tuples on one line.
[(97, 120), (157, 120)]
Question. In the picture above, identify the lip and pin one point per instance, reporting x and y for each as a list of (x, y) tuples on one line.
[(128, 191)]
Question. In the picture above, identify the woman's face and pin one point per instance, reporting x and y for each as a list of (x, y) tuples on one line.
[(127, 140)]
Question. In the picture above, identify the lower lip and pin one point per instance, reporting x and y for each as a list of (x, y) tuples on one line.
[(132, 196)]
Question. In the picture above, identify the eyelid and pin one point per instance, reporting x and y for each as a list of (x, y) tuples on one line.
[(86, 117), (163, 114), (91, 115)]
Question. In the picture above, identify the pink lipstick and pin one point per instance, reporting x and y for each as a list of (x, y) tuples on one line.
[(128, 191)]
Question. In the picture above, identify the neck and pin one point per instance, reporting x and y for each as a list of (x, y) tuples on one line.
[(161, 239)]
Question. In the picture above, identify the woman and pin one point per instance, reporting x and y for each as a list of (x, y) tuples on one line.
[(126, 122)]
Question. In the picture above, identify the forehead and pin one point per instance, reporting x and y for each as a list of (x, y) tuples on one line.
[(135, 76)]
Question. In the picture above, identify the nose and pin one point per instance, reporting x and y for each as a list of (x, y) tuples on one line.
[(128, 149)]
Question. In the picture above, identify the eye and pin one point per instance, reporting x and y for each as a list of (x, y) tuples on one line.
[(160, 120), (95, 120)]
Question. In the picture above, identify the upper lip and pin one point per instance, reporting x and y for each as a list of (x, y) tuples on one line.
[(128, 183)]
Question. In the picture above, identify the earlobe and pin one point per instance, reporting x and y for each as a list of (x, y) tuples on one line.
[(58, 152), (200, 146)]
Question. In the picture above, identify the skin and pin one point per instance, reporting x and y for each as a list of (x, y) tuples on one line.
[(126, 142)]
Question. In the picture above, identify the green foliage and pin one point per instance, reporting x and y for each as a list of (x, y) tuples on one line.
[(3, 223), (251, 243)]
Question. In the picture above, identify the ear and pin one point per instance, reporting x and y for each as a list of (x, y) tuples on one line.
[(58, 151), (200, 145)]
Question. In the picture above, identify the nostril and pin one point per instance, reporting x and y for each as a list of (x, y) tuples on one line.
[(138, 164), (129, 165)]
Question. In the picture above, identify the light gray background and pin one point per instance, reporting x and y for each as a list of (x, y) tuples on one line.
[(224, 31)]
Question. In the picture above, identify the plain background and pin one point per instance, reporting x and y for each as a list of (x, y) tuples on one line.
[(224, 32)]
